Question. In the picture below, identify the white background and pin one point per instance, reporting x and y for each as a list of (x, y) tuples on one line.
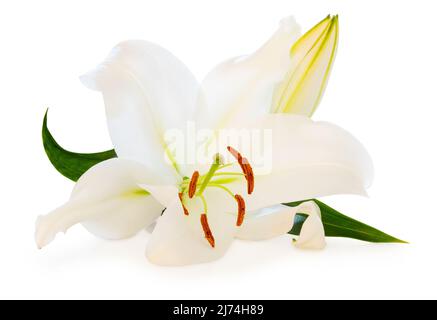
[(382, 89)]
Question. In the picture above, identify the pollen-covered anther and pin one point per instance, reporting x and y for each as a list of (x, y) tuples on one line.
[(182, 203), (241, 209), (248, 173), (236, 154), (193, 184), (206, 229), (245, 167)]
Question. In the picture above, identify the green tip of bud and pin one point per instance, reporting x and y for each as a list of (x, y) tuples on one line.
[(312, 57)]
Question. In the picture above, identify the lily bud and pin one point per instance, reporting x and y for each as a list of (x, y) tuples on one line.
[(312, 57)]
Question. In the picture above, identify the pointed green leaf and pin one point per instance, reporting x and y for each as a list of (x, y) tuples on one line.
[(70, 164), (339, 225)]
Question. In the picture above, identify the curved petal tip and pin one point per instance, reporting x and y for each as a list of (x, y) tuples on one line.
[(312, 235), (43, 232)]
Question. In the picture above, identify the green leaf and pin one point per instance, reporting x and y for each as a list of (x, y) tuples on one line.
[(339, 225), (70, 164)]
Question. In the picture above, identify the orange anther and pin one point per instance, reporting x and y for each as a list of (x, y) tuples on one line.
[(183, 207), (245, 167), (207, 230), (248, 172), (235, 154), (193, 184), (241, 209)]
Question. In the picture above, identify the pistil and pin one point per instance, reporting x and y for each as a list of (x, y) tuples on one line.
[(218, 161)]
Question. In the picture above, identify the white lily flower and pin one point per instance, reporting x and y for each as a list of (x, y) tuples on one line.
[(147, 91)]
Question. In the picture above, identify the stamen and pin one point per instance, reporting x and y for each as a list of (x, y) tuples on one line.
[(182, 202), (205, 205), (229, 174), (241, 209), (191, 188), (236, 154), (225, 180), (240, 202), (207, 230), (245, 167), (193, 184), (213, 185)]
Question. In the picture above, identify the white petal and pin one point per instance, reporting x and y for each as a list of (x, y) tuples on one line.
[(179, 240), (312, 234), (107, 201), (312, 58), (165, 195), (244, 86), (267, 223), (147, 91), (124, 218), (306, 159), (278, 220)]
